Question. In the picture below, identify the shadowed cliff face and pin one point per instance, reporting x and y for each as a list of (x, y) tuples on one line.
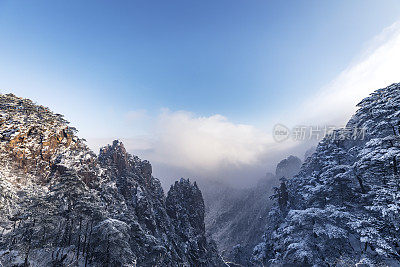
[(237, 218), (189, 199), (61, 205), (288, 167), (185, 206)]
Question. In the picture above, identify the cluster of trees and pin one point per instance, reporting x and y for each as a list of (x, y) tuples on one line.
[(343, 207), (63, 218)]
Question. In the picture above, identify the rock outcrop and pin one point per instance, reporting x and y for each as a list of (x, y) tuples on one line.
[(288, 167), (61, 205), (185, 206)]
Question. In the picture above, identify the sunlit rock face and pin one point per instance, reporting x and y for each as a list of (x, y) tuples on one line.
[(37, 142), (61, 205)]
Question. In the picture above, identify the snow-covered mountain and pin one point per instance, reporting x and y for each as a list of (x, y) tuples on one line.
[(343, 208), (236, 218), (61, 205)]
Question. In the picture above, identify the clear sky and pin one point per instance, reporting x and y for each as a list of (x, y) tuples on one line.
[(117, 68)]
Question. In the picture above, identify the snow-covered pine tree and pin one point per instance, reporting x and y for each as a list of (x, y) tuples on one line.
[(343, 206)]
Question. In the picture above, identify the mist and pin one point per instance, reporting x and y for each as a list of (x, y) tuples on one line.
[(185, 144)]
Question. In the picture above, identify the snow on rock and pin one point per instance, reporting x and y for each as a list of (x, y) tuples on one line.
[(61, 205), (342, 209)]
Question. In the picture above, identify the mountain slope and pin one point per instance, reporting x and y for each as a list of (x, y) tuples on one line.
[(237, 218), (61, 205), (343, 206)]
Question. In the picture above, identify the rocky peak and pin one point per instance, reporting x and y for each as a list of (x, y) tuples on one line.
[(185, 204), (61, 205), (116, 157), (288, 167)]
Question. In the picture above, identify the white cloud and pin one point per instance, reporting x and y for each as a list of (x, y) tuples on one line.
[(376, 67), (182, 143), (188, 141)]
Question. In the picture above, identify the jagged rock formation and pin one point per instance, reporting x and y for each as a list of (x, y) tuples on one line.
[(185, 207), (237, 218), (288, 167), (61, 205), (342, 209)]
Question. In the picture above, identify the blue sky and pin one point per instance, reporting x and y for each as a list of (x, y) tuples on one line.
[(113, 67)]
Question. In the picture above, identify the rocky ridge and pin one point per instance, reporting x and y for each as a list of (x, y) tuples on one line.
[(61, 205)]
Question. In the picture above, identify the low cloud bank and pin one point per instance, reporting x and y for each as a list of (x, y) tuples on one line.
[(185, 144)]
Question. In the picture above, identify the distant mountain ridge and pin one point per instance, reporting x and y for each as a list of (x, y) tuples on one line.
[(61, 205)]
